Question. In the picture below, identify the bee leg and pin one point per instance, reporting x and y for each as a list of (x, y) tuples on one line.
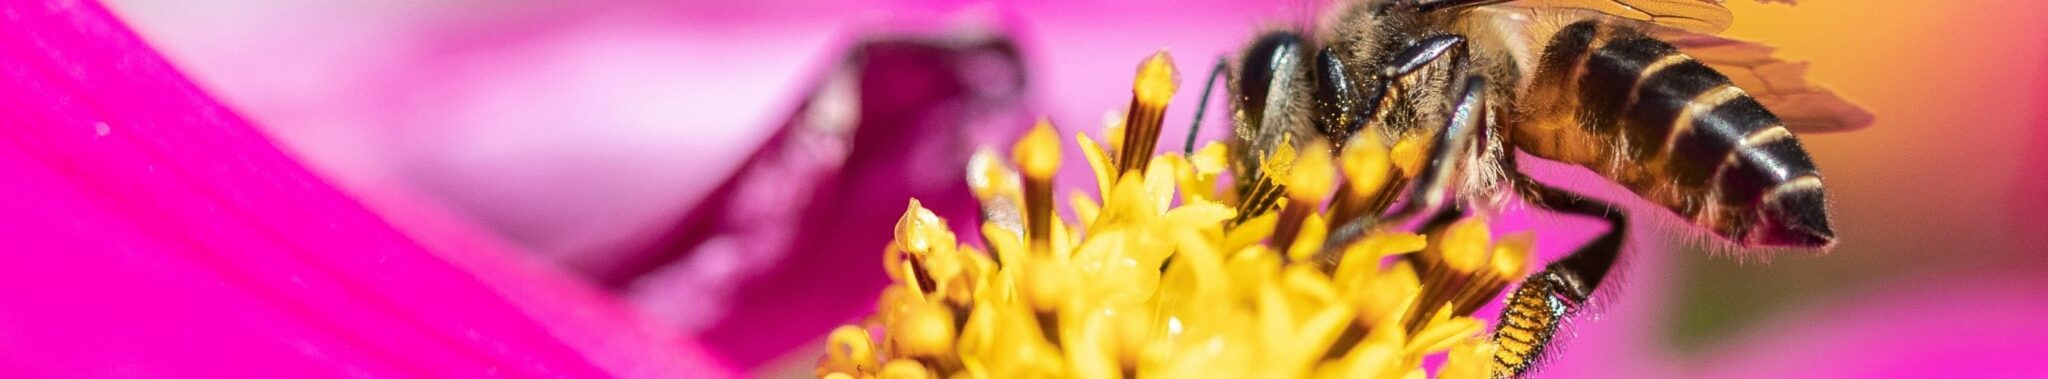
[(1454, 143), (1345, 106), (1342, 104), (1424, 52), (1545, 300), (1430, 188), (1202, 107), (1589, 264), (1460, 132), (1436, 5)]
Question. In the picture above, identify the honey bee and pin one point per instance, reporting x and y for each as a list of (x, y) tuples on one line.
[(1640, 92)]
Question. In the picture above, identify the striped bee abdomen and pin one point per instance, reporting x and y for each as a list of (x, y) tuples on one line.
[(1674, 131)]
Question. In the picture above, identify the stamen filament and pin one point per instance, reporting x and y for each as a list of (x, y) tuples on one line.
[(1157, 80), (1462, 253), (1039, 155)]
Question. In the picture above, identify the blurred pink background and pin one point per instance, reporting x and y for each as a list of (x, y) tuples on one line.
[(579, 130)]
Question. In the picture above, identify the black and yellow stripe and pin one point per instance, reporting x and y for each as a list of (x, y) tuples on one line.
[(1532, 317), (1674, 131)]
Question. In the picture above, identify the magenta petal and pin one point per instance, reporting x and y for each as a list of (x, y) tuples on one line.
[(1986, 324), (791, 244), (150, 232)]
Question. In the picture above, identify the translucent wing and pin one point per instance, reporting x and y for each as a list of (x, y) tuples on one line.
[(1778, 84), (1698, 16)]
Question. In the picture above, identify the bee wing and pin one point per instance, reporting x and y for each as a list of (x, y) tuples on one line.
[(1779, 85), (1699, 16)]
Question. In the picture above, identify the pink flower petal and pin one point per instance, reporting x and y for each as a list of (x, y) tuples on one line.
[(1975, 326), (151, 232), (789, 246)]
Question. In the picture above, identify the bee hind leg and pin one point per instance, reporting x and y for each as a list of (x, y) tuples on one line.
[(1544, 301)]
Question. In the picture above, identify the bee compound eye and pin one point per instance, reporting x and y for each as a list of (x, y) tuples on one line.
[(1268, 54)]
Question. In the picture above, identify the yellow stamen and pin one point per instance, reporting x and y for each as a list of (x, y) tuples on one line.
[(1157, 79), (1147, 286), (996, 184), (1098, 162), (1464, 245), (1313, 173), (920, 231), (989, 176), (1511, 255), (926, 331), (1038, 154), (1270, 186), (1156, 82), (849, 350), (905, 369), (1308, 182), (1198, 179), (1468, 360), (1461, 251), (1510, 262), (1409, 154), (1367, 169), (1309, 238)]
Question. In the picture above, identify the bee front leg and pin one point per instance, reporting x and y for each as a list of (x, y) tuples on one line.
[(1462, 127), (1454, 144), (1430, 187), (1463, 130)]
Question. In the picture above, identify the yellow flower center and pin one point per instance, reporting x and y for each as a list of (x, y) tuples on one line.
[(1160, 278)]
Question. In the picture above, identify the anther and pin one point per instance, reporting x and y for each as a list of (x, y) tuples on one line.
[(1308, 182), (1462, 252), (1367, 168)]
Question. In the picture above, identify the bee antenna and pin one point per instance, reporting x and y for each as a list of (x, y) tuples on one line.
[(1202, 106)]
